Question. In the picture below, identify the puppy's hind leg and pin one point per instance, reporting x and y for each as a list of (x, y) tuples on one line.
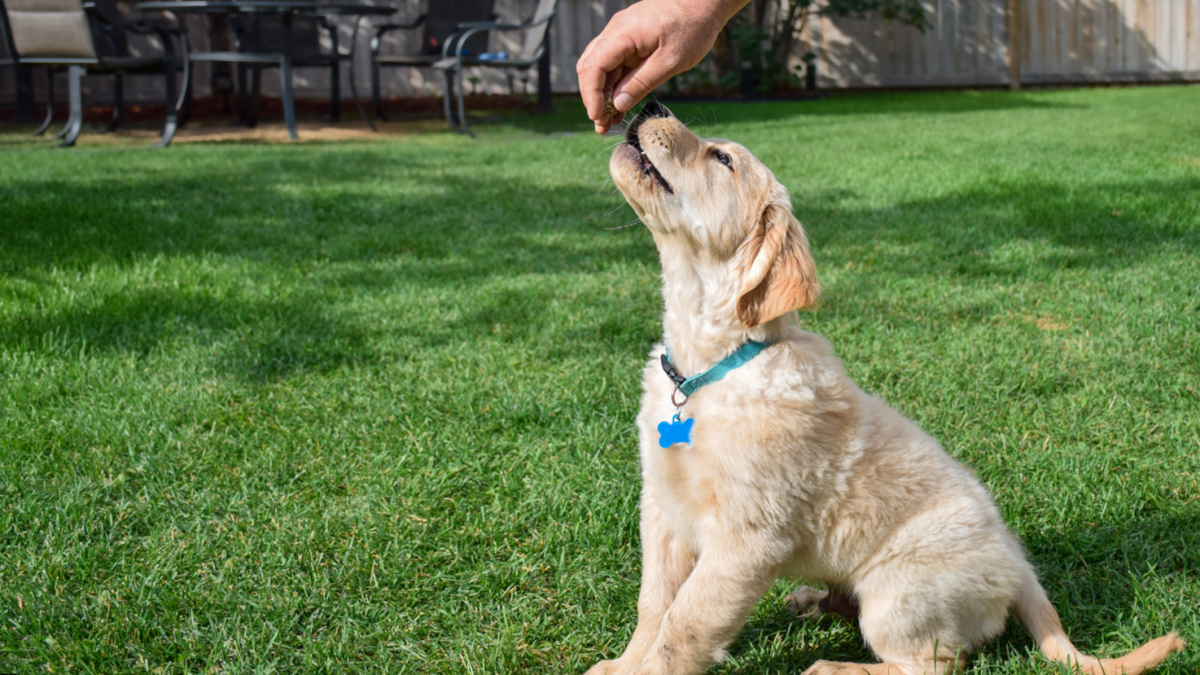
[(809, 603), (805, 602)]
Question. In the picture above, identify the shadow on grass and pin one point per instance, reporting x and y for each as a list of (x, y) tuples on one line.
[(314, 250), (1111, 225), (266, 211), (571, 116), (440, 231)]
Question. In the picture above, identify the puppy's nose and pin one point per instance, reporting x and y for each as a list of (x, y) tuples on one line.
[(654, 109), (651, 110)]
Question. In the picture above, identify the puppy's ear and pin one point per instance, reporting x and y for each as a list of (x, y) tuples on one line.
[(778, 274)]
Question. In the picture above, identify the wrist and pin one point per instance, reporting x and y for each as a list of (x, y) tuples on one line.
[(719, 11)]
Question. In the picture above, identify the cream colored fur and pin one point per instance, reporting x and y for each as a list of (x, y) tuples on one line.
[(794, 470)]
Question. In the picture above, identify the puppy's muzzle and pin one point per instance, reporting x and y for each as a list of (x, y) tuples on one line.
[(652, 110)]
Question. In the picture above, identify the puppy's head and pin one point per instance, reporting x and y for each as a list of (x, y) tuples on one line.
[(717, 200)]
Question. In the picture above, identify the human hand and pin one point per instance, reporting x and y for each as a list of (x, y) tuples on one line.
[(644, 46)]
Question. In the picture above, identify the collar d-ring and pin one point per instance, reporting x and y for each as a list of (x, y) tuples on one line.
[(673, 402)]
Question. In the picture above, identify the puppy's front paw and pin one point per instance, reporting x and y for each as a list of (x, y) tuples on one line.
[(805, 603), (605, 668)]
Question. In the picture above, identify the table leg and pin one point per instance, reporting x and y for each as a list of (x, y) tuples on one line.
[(255, 95), (243, 96), (243, 91), (335, 73), (289, 107), (545, 101), (353, 84), (24, 95), (285, 75)]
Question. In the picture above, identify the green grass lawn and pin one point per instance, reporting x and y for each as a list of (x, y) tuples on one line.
[(368, 407)]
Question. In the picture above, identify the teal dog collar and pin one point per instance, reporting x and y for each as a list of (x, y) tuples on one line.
[(680, 431)]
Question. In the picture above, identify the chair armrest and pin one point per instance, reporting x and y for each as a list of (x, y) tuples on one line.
[(386, 27), (383, 29), (466, 30), (145, 27), (165, 29), (483, 26), (490, 25)]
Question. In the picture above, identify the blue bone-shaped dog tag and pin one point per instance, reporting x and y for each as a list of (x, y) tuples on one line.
[(675, 431)]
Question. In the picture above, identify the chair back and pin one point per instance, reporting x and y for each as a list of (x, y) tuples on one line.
[(108, 39), (266, 34), (53, 29), (443, 17), (537, 34), (6, 51)]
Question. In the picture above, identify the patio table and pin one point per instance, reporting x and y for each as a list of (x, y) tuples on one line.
[(287, 9)]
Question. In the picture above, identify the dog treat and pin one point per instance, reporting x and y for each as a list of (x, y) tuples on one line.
[(609, 108)]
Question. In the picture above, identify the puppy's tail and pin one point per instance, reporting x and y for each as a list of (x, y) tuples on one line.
[(1035, 611)]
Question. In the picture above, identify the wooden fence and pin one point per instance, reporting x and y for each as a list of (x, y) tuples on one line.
[(1059, 41), (969, 44)]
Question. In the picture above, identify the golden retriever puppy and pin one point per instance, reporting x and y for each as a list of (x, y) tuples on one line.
[(779, 464)]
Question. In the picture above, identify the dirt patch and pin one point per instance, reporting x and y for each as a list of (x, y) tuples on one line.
[(225, 132), (1047, 323), (216, 107)]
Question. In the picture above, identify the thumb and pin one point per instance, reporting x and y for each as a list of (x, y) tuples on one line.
[(641, 79)]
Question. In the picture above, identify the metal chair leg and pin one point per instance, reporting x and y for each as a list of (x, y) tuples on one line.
[(447, 99), (118, 102), (335, 90), (185, 110), (243, 95), (168, 132), (49, 104), (255, 96), (375, 91), (186, 98), (66, 125), (289, 105), (75, 122), (462, 111), (171, 126)]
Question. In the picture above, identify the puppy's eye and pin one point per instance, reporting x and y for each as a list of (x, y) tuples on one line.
[(723, 158)]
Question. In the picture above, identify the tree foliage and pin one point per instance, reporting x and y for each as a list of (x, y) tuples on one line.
[(761, 37)]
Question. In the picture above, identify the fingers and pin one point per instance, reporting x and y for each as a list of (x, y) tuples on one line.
[(612, 121), (642, 79), (603, 56)]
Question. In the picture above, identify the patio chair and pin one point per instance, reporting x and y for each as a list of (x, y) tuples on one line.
[(537, 38), (24, 81), (264, 33), (444, 19), (111, 41), (58, 33)]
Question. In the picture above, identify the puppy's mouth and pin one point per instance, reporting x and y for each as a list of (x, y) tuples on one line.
[(649, 111)]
